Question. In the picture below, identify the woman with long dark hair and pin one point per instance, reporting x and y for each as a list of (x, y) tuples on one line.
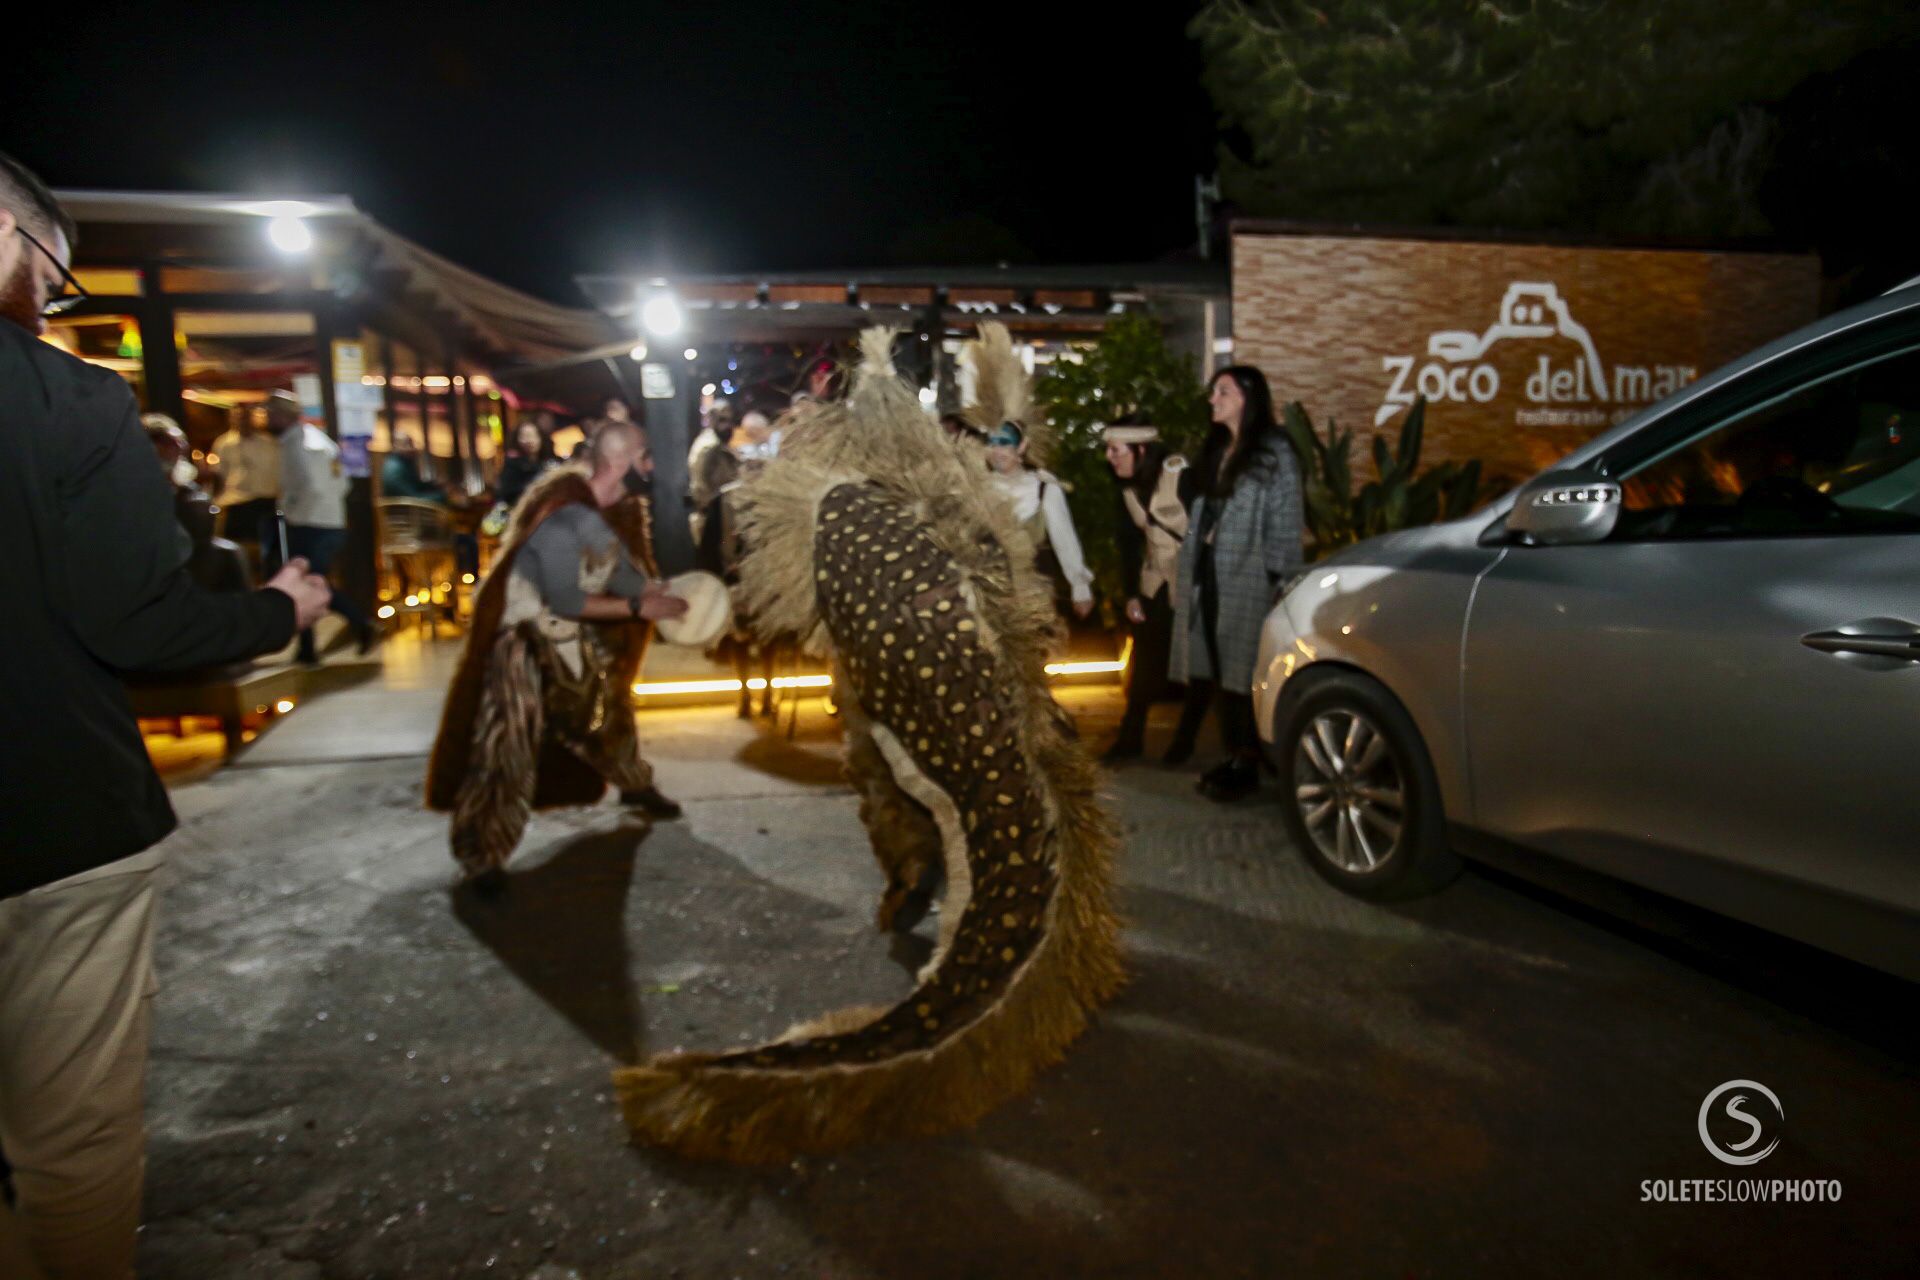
[(1244, 538), (1152, 521), (527, 456)]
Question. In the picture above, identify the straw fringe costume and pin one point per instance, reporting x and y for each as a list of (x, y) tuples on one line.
[(537, 715), (881, 542)]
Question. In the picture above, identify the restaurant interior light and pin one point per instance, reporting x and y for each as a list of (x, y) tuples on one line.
[(661, 315), (691, 353), (289, 234)]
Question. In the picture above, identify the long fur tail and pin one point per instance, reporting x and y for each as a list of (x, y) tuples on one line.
[(919, 580)]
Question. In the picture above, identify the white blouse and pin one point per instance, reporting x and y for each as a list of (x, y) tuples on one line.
[(1024, 489)]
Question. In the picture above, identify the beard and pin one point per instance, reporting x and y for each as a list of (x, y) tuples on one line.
[(19, 298)]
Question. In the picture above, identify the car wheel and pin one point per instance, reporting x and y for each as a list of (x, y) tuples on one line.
[(1363, 804)]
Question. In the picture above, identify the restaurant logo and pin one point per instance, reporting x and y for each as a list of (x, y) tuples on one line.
[(1580, 391)]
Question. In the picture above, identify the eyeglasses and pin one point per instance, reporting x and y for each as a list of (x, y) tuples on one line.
[(64, 302)]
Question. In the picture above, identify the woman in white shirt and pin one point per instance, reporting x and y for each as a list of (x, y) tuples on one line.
[(1040, 502)]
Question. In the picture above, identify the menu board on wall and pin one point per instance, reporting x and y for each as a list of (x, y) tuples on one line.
[(358, 405)]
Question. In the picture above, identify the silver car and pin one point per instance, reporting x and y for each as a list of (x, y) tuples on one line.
[(1688, 657)]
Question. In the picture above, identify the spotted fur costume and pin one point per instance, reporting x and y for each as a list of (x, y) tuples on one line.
[(538, 715), (880, 542)]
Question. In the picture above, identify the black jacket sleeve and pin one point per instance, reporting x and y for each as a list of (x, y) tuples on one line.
[(123, 566)]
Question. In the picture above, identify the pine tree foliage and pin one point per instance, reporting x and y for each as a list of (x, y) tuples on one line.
[(1628, 116)]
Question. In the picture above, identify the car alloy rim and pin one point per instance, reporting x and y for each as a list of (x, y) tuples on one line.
[(1348, 785)]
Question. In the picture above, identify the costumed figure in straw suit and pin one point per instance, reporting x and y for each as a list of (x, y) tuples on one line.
[(539, 713), (882, 543)]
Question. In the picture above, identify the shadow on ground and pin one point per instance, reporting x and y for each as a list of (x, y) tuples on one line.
[(812, 759), (1208, 1127), (359, 1077), (560, 927)]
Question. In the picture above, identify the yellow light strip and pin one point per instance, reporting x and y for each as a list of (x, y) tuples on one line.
[(686, 686), (792, 682), (1083, 668), (667, 688)]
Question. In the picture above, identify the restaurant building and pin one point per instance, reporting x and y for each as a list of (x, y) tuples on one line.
[(205, 303)]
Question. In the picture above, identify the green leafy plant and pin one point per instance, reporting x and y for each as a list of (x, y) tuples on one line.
[(1400, 496), (1130, 370)]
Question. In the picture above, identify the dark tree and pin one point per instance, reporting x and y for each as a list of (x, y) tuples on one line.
[(1632, 116)]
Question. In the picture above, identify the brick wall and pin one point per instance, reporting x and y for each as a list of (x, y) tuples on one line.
[(1347, 326)]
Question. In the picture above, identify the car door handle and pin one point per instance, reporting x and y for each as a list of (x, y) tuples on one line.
[(1874, 638)]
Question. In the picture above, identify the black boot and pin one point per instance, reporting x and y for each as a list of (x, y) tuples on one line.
[(1233, 779), (1131, 740), (1192, 713), (650, 802)]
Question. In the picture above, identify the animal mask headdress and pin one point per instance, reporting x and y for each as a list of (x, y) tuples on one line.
[(1003, 393)]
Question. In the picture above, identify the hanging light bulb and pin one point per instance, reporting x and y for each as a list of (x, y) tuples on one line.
[(289, 234)]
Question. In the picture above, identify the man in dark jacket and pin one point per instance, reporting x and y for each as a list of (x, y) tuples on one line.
[(94, 584)]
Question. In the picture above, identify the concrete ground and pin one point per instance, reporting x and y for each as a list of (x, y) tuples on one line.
[(359, 1072)]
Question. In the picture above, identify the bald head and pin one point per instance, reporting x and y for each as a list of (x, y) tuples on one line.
[(615, 446), (621, 461)]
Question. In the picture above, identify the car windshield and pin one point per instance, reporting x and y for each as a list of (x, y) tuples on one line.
[(1840, 456)]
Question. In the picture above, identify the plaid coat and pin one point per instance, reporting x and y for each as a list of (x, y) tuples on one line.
[(1255, 544)]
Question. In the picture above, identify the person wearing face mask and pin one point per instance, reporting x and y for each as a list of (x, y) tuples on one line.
[(549, 658), (215, 563)]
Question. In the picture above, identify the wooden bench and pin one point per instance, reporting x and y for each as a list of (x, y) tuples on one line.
[(229, 693)]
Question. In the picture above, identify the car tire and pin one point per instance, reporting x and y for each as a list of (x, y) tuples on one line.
[(1363, 807)]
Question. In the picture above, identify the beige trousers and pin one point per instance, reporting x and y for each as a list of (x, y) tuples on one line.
[(76, 987)]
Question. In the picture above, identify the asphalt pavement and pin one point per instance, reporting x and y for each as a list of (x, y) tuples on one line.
[(359, 1071)]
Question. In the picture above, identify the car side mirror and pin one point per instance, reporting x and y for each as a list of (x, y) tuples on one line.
[(1565, 508)]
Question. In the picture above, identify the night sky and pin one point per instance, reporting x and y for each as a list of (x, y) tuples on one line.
[(531, 141)]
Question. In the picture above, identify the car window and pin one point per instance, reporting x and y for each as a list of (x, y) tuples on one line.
[(1837, 456)]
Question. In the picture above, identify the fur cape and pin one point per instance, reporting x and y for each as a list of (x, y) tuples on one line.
[(881, 541), (564, 779)]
